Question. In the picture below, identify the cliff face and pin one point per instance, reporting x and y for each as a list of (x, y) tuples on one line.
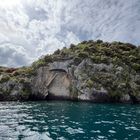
[(90, 71), (52, 81)]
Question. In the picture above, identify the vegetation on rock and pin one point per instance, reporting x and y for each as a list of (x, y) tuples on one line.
[(114, 67)]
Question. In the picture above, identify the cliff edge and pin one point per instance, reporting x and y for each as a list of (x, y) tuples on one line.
[(94, 71)]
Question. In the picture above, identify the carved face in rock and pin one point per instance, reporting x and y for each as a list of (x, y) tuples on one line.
[(58, 83)]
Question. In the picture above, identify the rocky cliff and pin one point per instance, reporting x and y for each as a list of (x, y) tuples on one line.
[(90, 71)]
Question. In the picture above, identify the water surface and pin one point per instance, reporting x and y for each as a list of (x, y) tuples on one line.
[(68, 121)]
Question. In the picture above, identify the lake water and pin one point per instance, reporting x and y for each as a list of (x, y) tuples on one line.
[(68, 121)]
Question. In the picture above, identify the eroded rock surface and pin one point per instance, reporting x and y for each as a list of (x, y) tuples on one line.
[(90, 71)]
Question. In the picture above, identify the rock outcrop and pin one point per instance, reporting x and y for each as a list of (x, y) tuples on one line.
[(90, 71)]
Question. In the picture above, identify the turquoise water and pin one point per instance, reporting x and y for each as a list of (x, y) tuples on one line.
[(68, 121)]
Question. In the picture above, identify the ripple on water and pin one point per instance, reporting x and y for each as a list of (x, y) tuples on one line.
[(66, 120), (75, 131), (132, 128), (95, 131), (112, 131)]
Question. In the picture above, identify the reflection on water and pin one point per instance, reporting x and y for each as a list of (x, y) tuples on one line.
[(68, 120)]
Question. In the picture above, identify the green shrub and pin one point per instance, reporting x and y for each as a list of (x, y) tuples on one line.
[(136, 67), (87, 49), (131, 46), (39, 63), (83, 55), (105, 44), (81, 47), (4, 78), (65, 52), (99, 41), (96, 59), (46, 59), (104, 59), (16, 73), (29, 70), (14, 79), (22, 80), (57, 52), (77, 60), (124, 47), (72, 46), (90, 83), (1, 70), (116, 43), (132, 58), (83, 42)]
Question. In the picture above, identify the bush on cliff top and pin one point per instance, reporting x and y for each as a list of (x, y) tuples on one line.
[(117, 53), (98, 51)]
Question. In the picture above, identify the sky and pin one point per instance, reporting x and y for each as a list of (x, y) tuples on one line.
[(32, 28)]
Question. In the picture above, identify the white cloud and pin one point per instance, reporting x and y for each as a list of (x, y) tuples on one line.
[(13, 55), (41, 26)]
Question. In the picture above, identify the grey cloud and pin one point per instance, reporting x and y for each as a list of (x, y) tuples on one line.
[(107, 20), (12, 55), (41, 26), (38, 14)]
